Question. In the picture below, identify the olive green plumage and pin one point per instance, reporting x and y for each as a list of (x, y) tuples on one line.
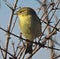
[(30, 25)]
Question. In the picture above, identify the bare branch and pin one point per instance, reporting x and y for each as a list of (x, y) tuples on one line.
[(13, 48), (7, 52), (14, 24), (9, 27), (56, 57)]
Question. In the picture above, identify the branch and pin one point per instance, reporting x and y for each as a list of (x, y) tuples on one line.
[(48, 36), (7, 52), (9, 27)]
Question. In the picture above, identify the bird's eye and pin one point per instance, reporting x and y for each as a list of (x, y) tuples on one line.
[(21, 11)]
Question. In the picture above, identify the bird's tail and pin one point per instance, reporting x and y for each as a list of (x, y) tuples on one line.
[(28, 48)]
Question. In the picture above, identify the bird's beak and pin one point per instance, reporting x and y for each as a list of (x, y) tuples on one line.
[(15, 13)]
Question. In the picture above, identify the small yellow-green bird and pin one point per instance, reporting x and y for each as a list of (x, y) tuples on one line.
[(30, 25)]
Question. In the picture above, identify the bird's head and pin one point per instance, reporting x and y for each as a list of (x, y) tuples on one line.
[(25, 11)]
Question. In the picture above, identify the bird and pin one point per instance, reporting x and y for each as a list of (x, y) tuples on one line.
[(30, 25)]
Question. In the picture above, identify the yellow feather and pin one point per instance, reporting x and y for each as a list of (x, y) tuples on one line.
[(29, 24)]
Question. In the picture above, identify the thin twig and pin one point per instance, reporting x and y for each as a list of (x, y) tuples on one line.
[(9, 27), (21, 53), (7, 52), (44, 41), (56, 57), (2, 54), (14, 24), (47, 37), (41, 44), (47, 23), (13, 48), (18, 46)]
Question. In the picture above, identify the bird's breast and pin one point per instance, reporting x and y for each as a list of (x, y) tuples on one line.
[(29, 26)]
